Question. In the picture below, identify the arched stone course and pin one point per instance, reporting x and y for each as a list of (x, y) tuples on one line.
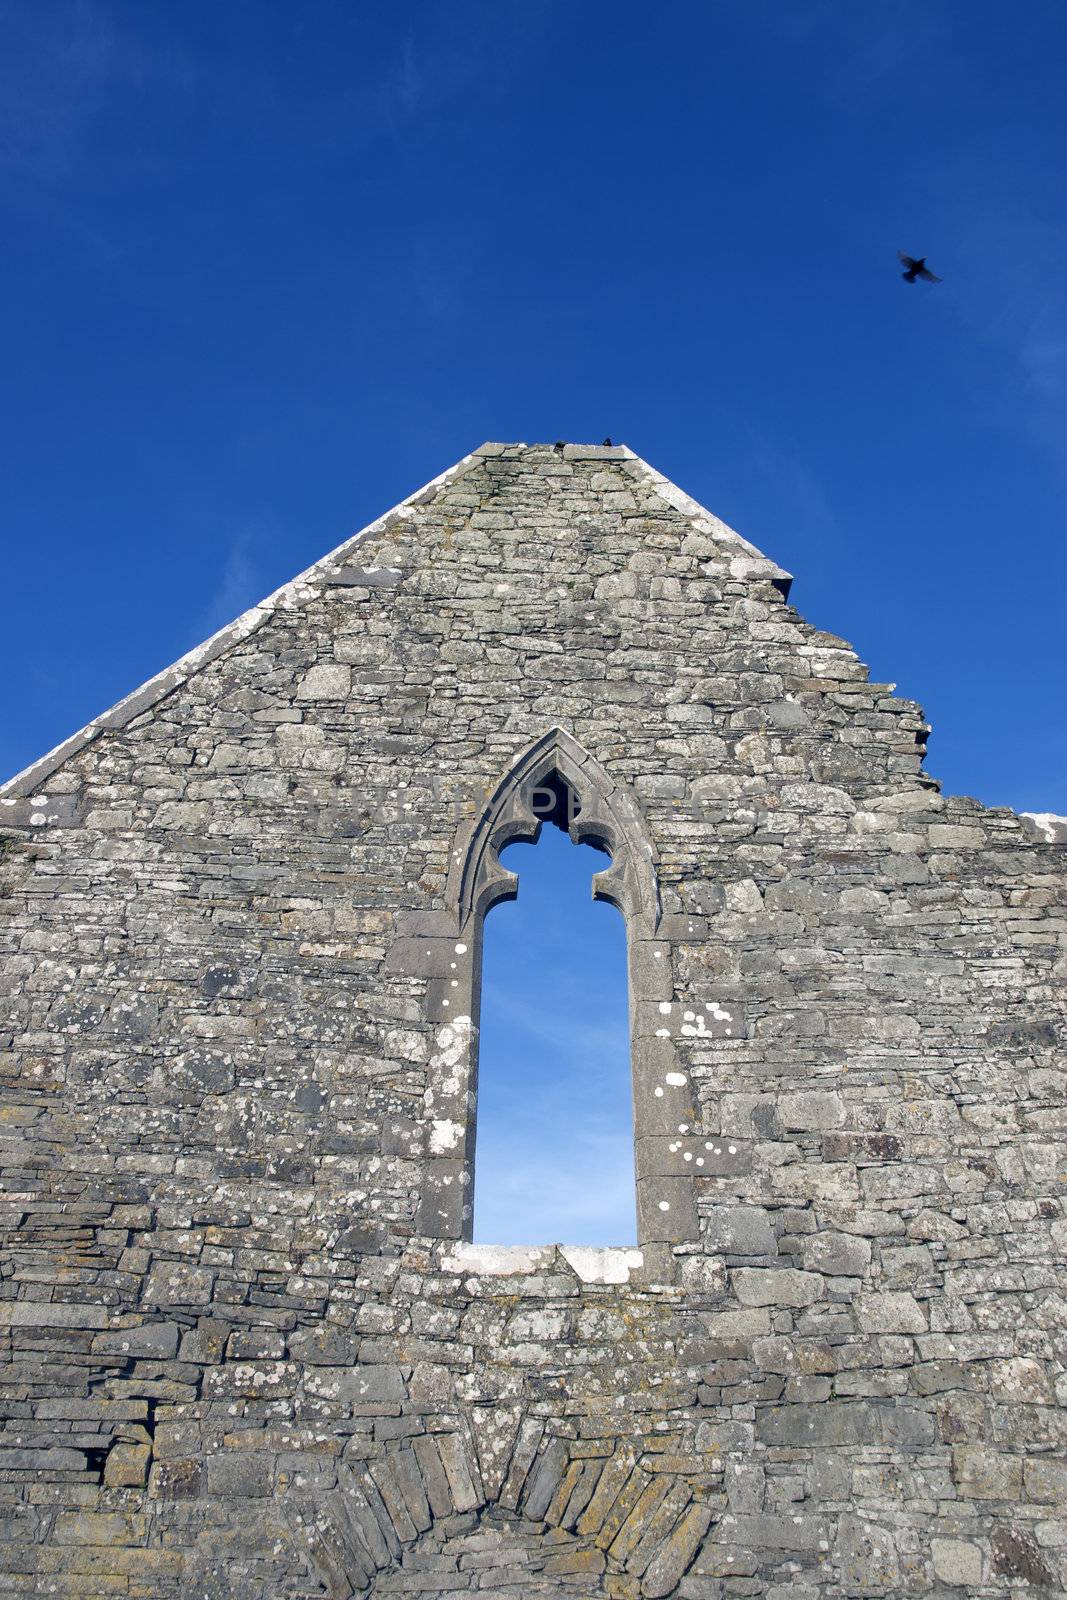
[(593, 1518)]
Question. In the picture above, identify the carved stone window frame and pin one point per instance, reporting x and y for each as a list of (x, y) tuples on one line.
[(446, 948)]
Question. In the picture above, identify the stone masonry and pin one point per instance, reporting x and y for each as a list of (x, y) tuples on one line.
[(247, 1348)]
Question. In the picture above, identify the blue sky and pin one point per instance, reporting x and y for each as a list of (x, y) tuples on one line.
[(268, 267), (555, 1111)]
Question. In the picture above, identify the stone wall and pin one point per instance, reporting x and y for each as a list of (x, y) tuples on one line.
[(245, 1349)]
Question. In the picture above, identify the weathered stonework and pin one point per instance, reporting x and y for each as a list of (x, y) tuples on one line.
[(247, 1350)]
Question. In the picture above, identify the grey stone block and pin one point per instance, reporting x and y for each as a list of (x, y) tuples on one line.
[(157, 1340), (57, 1459), (364, 1388), (51, 1314), (776, 1286), (365, 577), (740, 1230), (837, 1254), (844, 1422), (242, 1474), (545, 1479)]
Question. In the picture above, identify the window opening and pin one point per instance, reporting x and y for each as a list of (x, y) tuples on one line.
[(554, 1157)]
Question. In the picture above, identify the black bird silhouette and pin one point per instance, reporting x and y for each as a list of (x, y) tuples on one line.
[(916, 269), (607, 441)]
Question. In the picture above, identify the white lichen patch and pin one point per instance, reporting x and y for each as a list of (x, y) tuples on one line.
[(453, 1042), (497, 1260), (445, 1136), (695, 1023)]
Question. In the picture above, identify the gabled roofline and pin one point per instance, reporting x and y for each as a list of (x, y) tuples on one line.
[(313, 579), (705, 521), (292, 594)]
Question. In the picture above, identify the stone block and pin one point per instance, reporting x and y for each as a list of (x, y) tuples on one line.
[(810, 1111), (368, 1390), (845, 1422), (867, 1556), (176, 1283), (1016, 1558), (127, 1465), (329, 680), (384, 1481), (740, 1230), (577, 1562), (1045, 1480), (890, 1313), (1018, 1380), (776, 1286), (324, 1346), (613, 1477), (738, 1327), (957, 1561), (949, 836), (983, 1474), (792, 1357), (934, 1377), (702, 1275), (352, 577), (460, 1471), (181, 1479), (836, 1254), (204, 1345), (545, 1479), (750, 1116), (150, 1341), (241, 1474), (666, 1209), (51, 1314), (98, 1528), (57, 1459), (764, 1531), (434, 1477)]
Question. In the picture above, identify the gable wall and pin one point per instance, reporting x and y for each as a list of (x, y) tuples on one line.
[(222, 1318)]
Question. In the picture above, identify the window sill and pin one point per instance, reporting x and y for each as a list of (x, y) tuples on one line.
[(591, 1263)]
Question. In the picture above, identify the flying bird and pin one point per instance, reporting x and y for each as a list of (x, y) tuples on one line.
[(916, 269)]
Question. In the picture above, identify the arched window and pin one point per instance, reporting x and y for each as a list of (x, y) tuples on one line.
[(554, 1158), (554, 778)]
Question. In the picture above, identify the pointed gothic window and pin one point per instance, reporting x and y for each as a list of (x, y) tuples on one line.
[(553, 780), (554, 1157)]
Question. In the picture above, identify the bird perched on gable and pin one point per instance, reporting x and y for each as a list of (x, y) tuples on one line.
[(607, 442), (916, 268)]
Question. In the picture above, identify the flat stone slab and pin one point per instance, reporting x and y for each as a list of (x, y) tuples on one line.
[(591, 1263)]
